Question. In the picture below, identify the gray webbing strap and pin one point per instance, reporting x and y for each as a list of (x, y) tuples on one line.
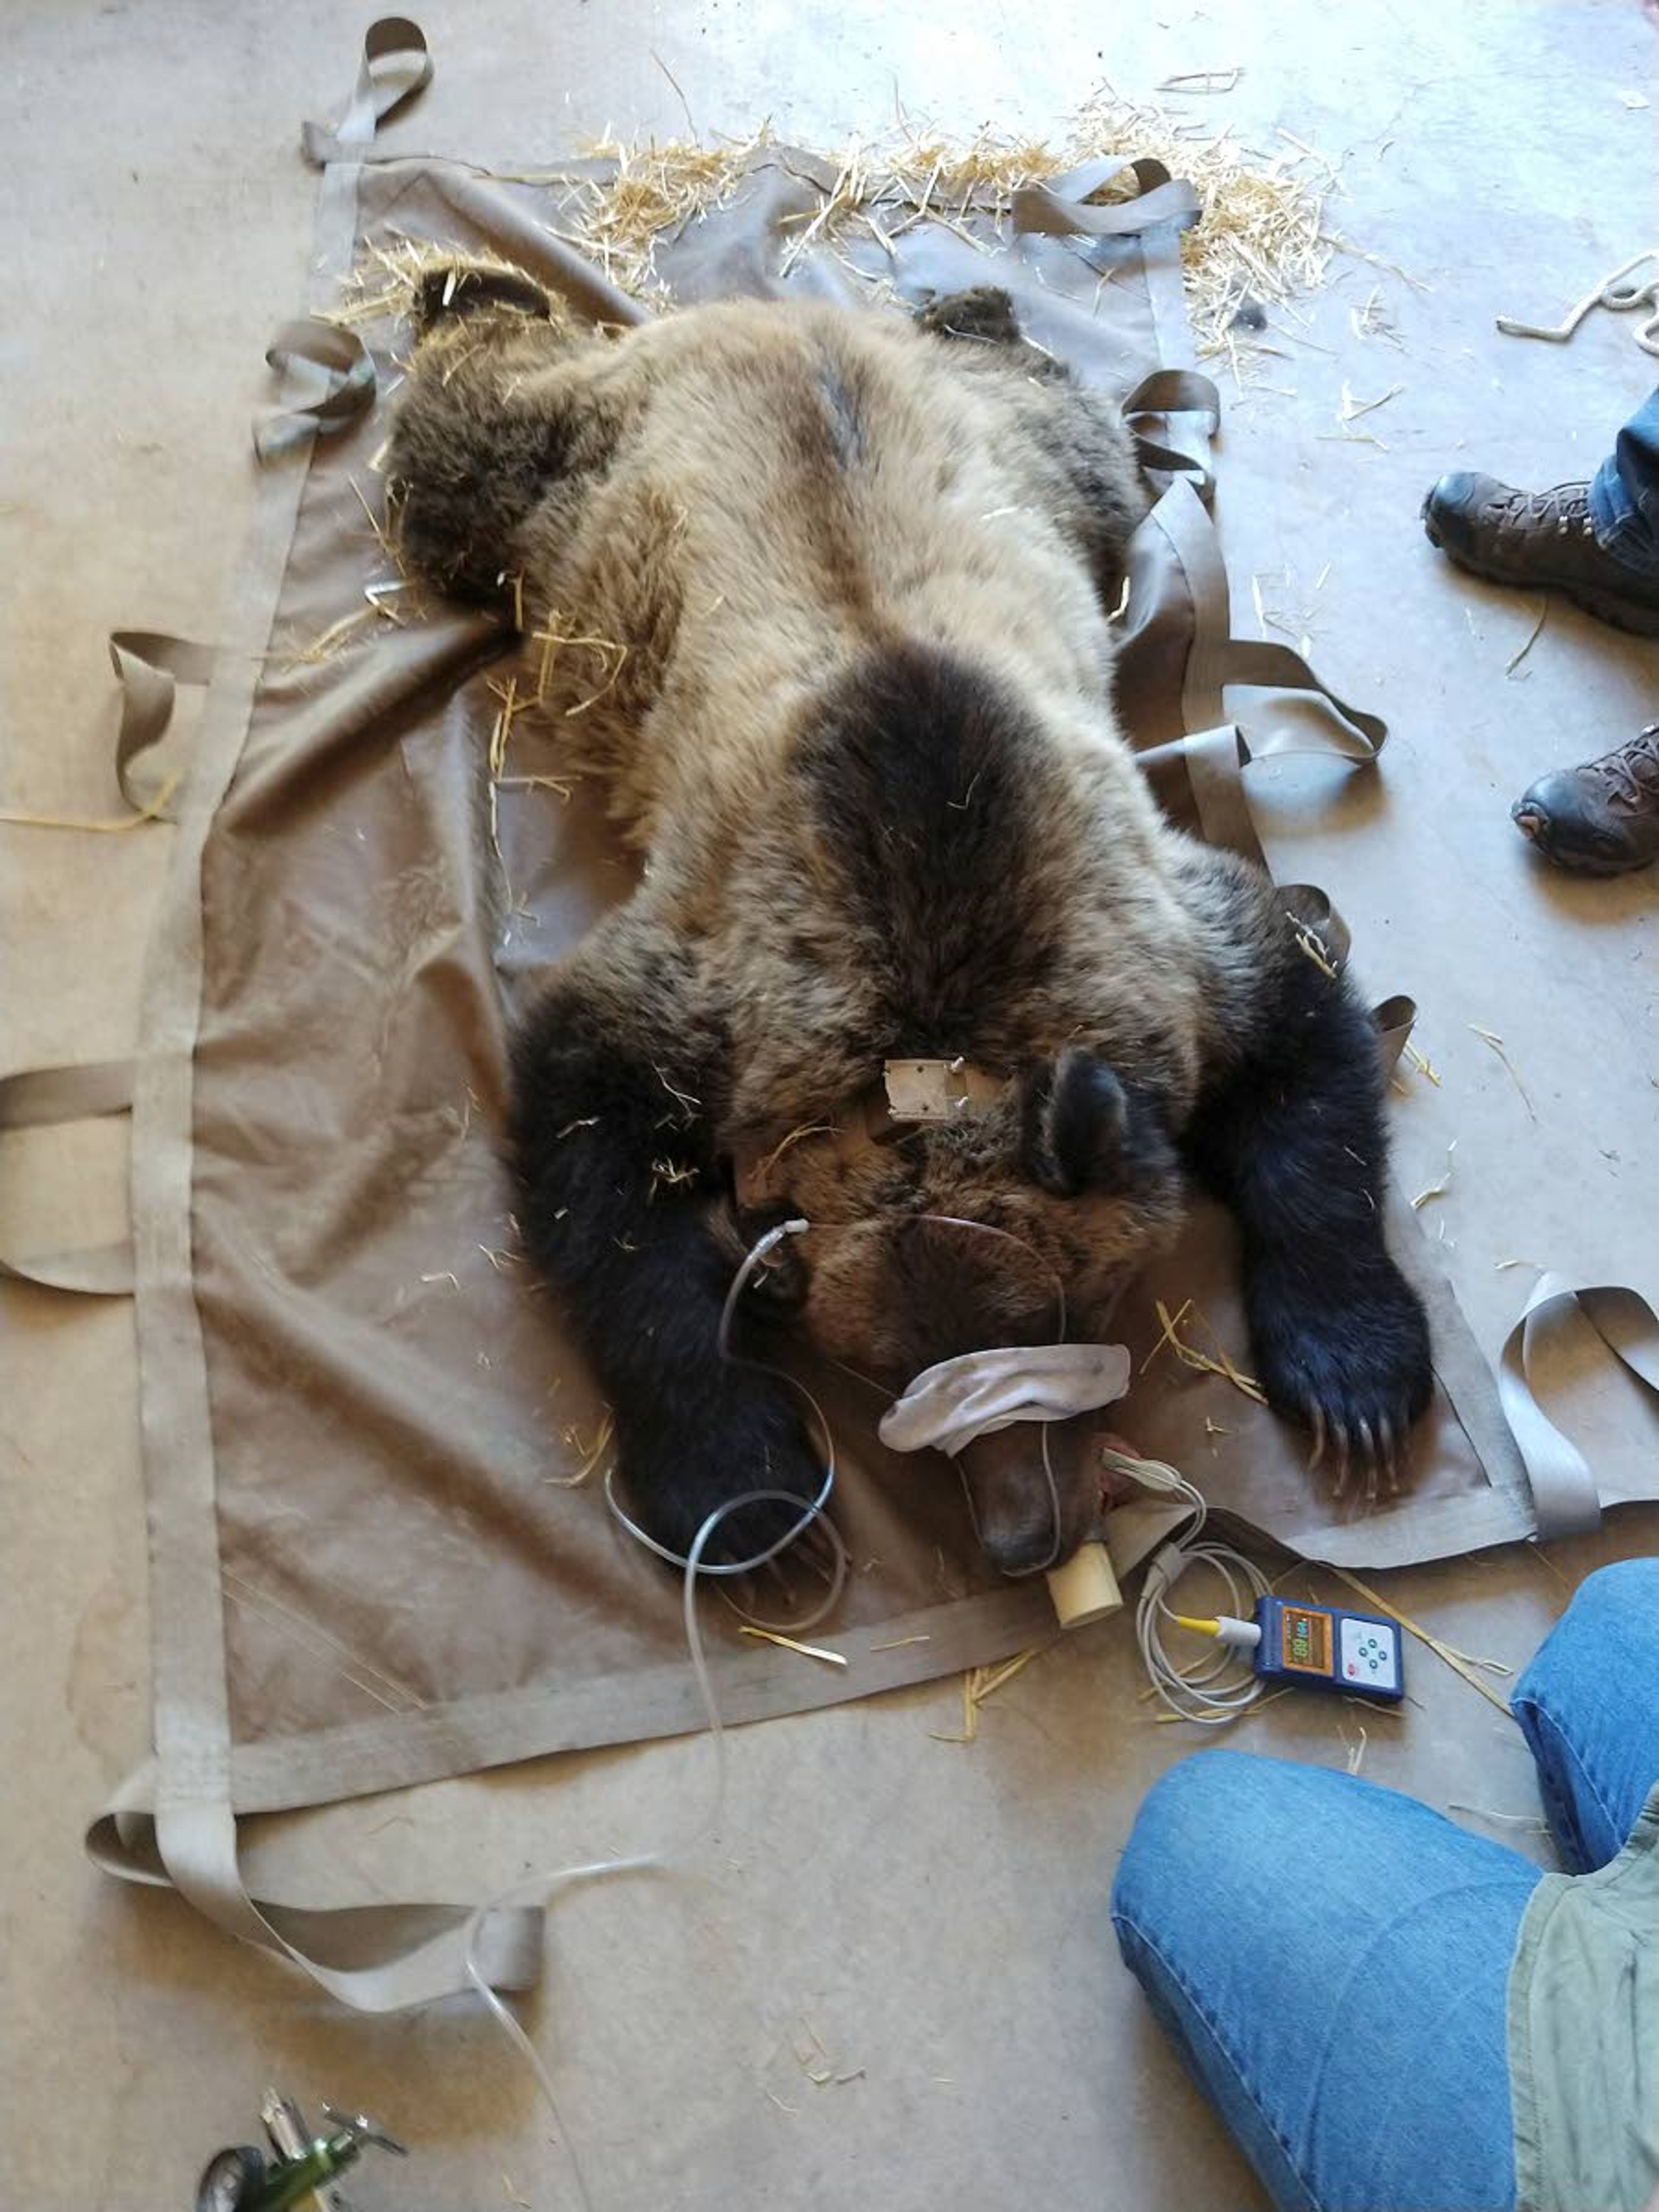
[(377, 1958), (1565, 1498), (331, 375), (1064, 207), (1259, 663), (1174, 394), (421, 1949), (1394, 1021), (149, 666), (395, 67), (40, 1097)]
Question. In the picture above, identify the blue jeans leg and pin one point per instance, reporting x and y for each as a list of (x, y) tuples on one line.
[(1589, 1707), (1331, 1959), (1623, 494)]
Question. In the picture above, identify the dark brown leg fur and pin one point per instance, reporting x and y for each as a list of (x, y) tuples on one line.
[(1290, 1135), (616, 1074)]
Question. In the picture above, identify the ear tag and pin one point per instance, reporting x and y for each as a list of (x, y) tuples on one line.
[(938, 1089)]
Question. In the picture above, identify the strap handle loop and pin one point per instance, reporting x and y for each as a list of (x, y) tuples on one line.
[(395, 66)]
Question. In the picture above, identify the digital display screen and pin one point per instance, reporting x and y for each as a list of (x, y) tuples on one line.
[(1305, 1637)]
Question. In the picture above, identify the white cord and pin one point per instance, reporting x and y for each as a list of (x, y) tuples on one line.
[(1217, 1688), (1200, 1694), (541, 1889)]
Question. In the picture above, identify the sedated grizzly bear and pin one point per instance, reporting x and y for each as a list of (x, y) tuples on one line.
[(862, 735)]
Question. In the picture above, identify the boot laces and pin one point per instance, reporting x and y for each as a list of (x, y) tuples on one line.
[(1630, 773), (1564, 508)]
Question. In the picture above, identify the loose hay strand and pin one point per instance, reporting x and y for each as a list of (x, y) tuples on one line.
[(1489, 1037), (790, 1643), (591, 1454), (153, 809), (1531, 638), (1435, 1189), (1189, 1355), (978, 1684)]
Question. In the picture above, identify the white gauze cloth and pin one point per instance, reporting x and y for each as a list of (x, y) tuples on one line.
[(950, 1405)]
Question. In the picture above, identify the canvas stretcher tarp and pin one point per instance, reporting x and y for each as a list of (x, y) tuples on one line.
[(378, 1552)]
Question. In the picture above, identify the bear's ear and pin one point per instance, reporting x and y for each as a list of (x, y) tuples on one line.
[(1082, 1129), (458, 289)]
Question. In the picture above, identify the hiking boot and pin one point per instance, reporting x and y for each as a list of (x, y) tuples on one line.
[(1542, 539), (1601, 818)]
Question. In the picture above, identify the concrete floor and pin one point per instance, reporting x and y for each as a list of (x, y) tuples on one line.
[(935, 1912)]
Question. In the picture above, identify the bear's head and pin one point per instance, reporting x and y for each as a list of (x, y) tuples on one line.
[(1016, 1224)]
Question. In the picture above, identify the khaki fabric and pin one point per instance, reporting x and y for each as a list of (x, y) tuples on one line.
[(1584, 2032), (372, 1564)]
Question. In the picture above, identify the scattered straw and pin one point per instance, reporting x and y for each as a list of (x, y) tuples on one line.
[(1490, 1037), (899, 1642), (1435, 1189), (591, 1454), (386, 284), (1469, 1659), (795, 1137), (563, 785), (665, 1175), (815, 2063), (1222, 80), (152, 810), (689, 1105), (376, 524), (789, 1644), (1352, 409), (1532, 638), (1421, 1063), (1356, 1751), (1312, 945), (1501, 1819), (1263, 238), (327, 642), (1550, 1567), (556, 639), (1190, 1356), (1459, 1662), (978, 1684), (1373, 320)]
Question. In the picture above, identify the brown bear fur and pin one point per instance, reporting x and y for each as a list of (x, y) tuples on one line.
[(862, 734)]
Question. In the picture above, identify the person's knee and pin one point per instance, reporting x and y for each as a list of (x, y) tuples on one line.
[(1585, 1706), (1613, 1617), (1627, 1592), (1193, 1822)]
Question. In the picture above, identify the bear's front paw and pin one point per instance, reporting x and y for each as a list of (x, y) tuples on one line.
[(1345, 1349), (679, 1464)]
